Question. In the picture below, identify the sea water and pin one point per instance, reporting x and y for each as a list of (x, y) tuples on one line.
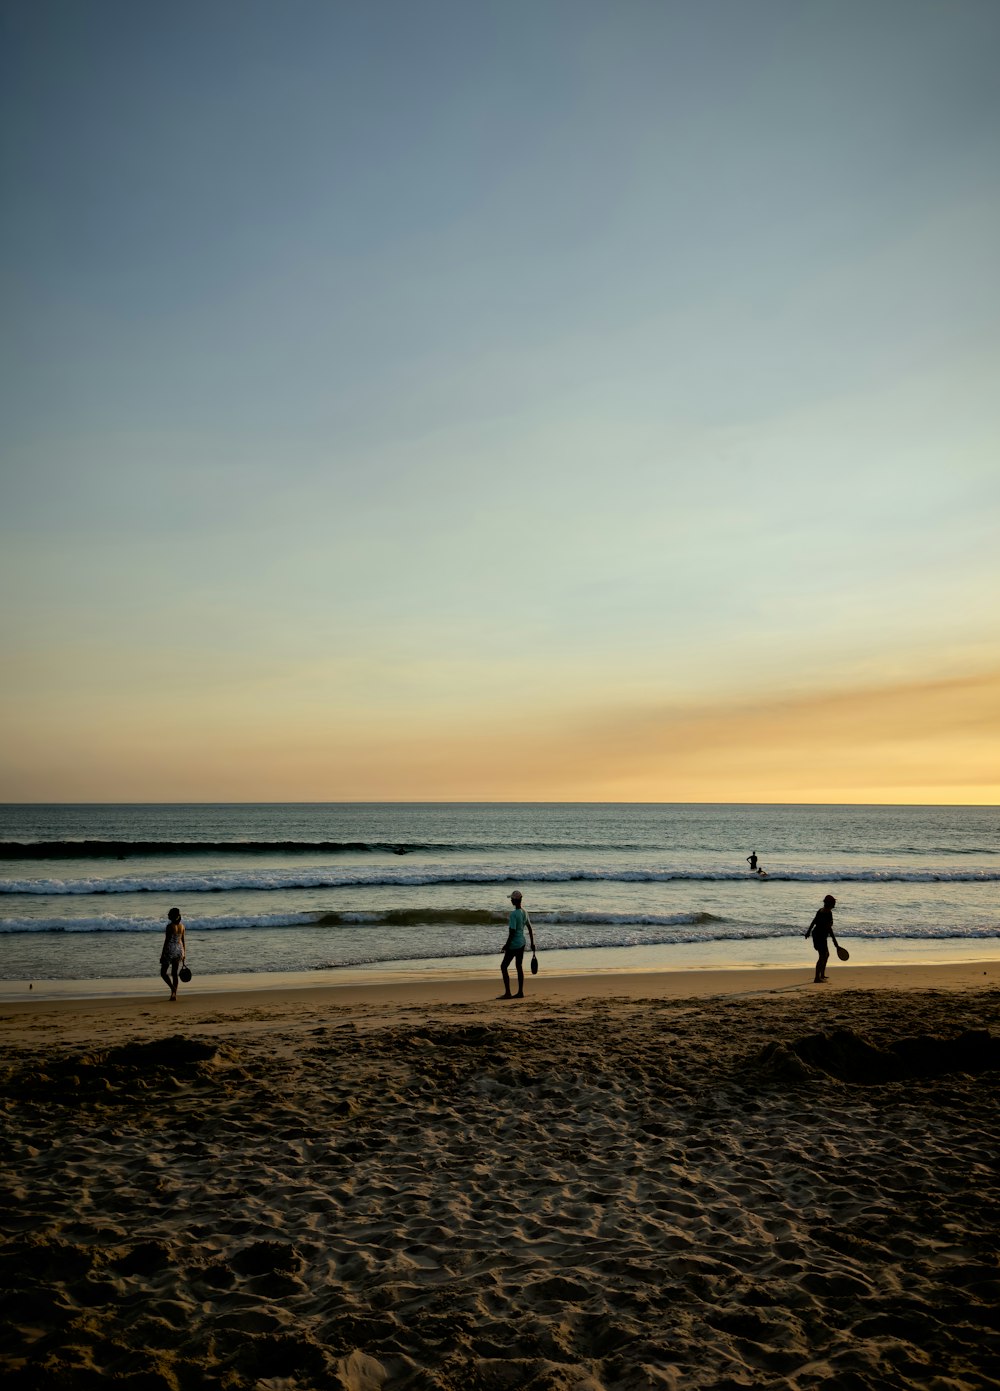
[(84, 890)]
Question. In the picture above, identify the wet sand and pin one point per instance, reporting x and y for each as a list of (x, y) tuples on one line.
[(701, 1179)]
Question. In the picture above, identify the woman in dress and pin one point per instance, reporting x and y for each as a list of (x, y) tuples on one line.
[(174, 952)]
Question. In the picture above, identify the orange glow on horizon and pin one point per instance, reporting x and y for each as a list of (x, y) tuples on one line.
[(916, 742)]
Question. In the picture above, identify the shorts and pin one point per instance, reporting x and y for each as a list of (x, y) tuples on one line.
[(512, 954)]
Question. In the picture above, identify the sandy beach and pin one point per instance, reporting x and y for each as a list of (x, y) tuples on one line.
[(696, 1179)]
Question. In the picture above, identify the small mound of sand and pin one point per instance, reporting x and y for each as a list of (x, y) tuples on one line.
[(120, 1072), (850, 1058), (263, 1257), (145, 1259), (173, 1052)]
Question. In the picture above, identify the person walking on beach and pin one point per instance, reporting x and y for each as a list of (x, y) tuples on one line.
[(752, 860), (174, 952), (514, 947), (821, 929)]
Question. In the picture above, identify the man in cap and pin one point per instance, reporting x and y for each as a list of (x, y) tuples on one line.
[(514, 947)]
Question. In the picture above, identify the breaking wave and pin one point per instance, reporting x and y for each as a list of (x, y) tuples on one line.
[(390, 917), (267, 880)]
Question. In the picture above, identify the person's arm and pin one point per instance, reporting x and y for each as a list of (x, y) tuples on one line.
[(531, 932), (184, 951), (810, 927)]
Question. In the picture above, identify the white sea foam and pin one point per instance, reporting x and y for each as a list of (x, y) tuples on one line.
[(279, 879), (436, 917), (113, 923)]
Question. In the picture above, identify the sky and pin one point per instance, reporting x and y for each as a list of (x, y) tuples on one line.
[(527, 400)]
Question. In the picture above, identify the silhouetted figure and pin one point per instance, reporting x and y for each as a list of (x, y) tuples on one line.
[(174, 952), (821, 929), (752, 860), (514, 947)]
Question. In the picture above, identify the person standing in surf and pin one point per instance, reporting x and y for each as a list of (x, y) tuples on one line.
[(821, 929), (514, 947), (752, 860)]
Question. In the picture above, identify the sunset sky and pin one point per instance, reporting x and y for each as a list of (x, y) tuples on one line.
[(552, 400)]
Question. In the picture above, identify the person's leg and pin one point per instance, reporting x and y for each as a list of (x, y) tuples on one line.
[(822, 958), (519, 958), (508, 957), (163, 975), (175, 966)]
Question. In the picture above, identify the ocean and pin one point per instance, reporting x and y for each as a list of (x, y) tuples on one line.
[(84, 890)]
